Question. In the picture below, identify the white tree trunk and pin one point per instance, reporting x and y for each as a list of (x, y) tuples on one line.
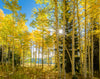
[(64, 73), (73, 45)]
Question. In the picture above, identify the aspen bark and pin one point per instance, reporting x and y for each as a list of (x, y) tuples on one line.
[(23, 57), (38, 54), (64, 74), (73, 49), (31, 58), (33, 55), (79, 38), (99, 43), (13, 56), (92, 51), (9, 55), (13, 47), (21, 52), (48, 57), (89, 54), (2, 52), (6, 49), (42, 45), (56, 24), (55, 58), (85, 53)]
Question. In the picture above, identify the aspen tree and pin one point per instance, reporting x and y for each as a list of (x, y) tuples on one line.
[(48, 56), (79, 37), (6, 49), (89, 52), (42, 45), (64, 74), (99, 42), (13, 6), (31, 58), (2, 52), (33, 54), (23, 56), (57, 47), (92, 48), (73, 48), (85, 53), (38, 54)]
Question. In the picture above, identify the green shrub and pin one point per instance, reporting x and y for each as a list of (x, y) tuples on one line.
[(74, 77)]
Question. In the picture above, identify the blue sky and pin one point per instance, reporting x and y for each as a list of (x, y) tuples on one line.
[(27, 6)]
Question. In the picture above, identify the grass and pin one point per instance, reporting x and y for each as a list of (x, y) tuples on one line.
[(32, 72), (28, 72)]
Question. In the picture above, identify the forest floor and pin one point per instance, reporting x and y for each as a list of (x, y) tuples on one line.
[(49, 72)]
